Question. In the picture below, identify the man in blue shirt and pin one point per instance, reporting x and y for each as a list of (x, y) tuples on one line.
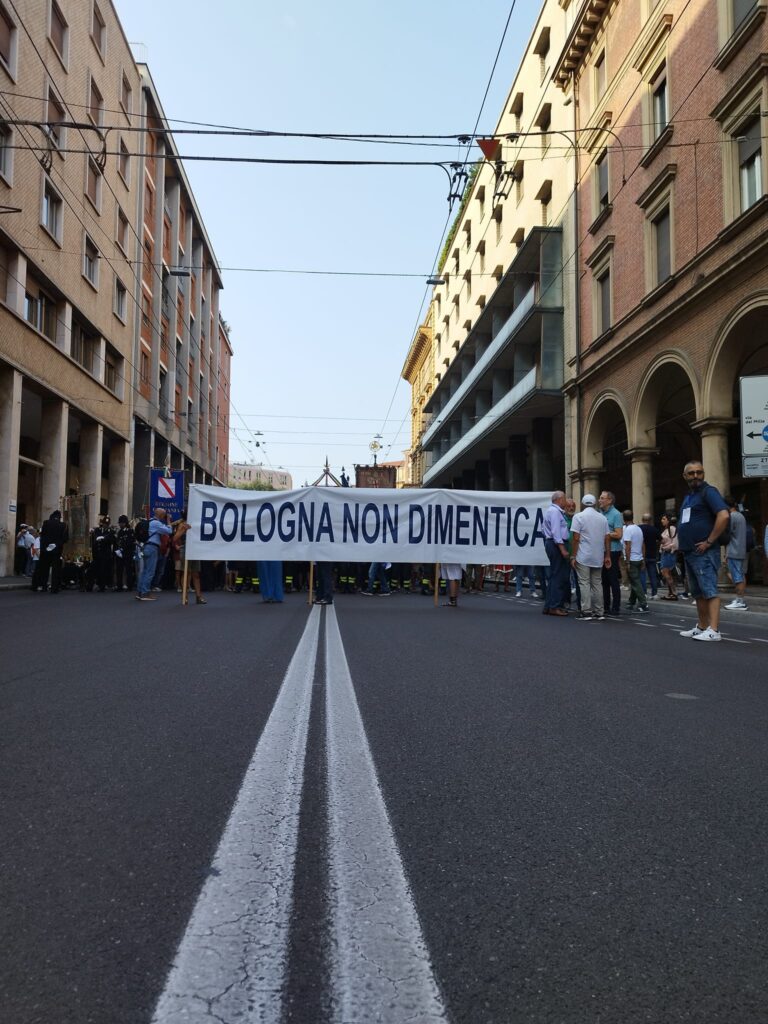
[(555, 530), (612, 575), (703, 517), (157, 527)]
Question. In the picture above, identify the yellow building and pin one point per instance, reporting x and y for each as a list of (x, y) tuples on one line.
[(419, 371)]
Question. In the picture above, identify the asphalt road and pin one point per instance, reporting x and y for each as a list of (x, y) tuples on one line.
[(528, 819)]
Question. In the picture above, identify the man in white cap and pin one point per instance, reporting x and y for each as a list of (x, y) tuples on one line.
[(590, 553)]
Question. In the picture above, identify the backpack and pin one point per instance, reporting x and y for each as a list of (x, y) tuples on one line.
[(141, 532)]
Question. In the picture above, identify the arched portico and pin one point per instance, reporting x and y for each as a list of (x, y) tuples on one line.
[(605, 442)]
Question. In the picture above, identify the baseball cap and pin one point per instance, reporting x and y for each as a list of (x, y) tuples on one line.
[(589, 499)]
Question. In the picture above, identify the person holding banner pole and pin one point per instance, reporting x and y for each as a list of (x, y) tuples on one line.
[(271, 582), (451, 573), (324, 583), (555, 530), (158, 528)]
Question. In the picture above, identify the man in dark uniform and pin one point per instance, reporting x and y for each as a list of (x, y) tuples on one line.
[(102, 553), (125, 550), (53, 537)]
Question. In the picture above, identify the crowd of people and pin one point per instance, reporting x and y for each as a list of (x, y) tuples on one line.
[(588, 551)]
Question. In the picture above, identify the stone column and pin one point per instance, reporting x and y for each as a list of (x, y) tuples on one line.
[(498, 470), (518, 463), (714, 450), (91, 448), (541, 455), (590, 480), (10, 431), (54, 433), (119, 460), (642, 480), (482, 475)]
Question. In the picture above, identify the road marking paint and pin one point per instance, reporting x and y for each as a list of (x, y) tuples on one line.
[(646, 625), (681, 696), (381, 968), (759, 640), (731, 640), (230, 964)]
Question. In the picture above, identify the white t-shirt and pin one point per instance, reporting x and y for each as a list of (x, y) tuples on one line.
[(633, 536), (592, 527)]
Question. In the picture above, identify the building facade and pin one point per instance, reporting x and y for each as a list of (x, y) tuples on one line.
[(246, 474), (66, 344), (181, 371), (419, 371), (503, 320), (670, 99), (74, 269)]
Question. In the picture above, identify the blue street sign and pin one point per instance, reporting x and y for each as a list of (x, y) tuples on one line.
[(166, 490)]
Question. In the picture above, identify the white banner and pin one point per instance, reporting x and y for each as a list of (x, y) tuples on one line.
[(350, 524)]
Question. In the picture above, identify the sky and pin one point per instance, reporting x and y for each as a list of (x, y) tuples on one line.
[(317, 363)]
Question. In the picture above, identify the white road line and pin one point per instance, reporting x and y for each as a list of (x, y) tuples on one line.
[(730, 640), (759, 639), (381, 969), (230, 964)]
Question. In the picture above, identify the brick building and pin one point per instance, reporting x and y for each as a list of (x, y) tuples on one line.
[(669, 100)]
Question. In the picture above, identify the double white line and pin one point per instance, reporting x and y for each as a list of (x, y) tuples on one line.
[(231, 964)]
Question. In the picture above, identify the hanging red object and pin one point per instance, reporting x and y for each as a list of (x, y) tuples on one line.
[(491, 148)]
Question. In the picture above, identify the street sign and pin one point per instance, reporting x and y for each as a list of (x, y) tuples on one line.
[(754, 415), (755, 465), (166, 490)]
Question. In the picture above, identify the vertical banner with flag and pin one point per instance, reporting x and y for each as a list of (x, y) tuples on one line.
[(166, 490)]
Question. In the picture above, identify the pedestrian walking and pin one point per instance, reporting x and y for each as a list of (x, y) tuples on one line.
[(612, 574), (271, 582), (103, 554), (20, 551), (377, 571), (634, 553), (736, 556), (668, 555), (555, 530), (590, 554), (158, 528), (179, 546), (703, 517), (125, 552), (324, 583)]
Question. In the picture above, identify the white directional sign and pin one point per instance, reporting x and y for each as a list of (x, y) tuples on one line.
[(754, 415)]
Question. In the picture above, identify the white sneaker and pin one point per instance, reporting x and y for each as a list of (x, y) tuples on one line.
[(737, 605), (707, 634), (692, 632)]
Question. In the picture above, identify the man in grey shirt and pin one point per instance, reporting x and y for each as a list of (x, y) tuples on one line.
[(736, 554)]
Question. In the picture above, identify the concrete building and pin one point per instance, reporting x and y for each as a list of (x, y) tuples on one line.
[(419, 371), (670, 99), (182, 346), (503, 320), (248, 474), (67, 285), (85, 297)]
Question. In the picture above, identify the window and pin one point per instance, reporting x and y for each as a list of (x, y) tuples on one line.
[(111, 370), (662, 243), (51, 214), (600, 76), (7, 41), (519, 173), (59, 32), (659, 101), (750, 163), (126, 94), (95, 104), (91, 262), (124, 162), (498, 214), (542, 50), (122, 231), (604, 301), (517, 110), (149, 202), (99, 30), (54, 118), (84, 345), (481, 201), (543, 123), (40, 310), (601, 181), (6, 154), (121, 299), (93, 183), (741, 11)]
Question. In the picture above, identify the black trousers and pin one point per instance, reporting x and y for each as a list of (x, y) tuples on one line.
[(48, 562), (612, 585), (125, 571), (102, 571)]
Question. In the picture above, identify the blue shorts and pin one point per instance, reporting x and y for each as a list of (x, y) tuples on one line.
[(702, 572), (736, 569), (668, 560)]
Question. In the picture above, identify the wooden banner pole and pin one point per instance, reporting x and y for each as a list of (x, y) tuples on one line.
[(311, 597), (437, 583), (185, 584)]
